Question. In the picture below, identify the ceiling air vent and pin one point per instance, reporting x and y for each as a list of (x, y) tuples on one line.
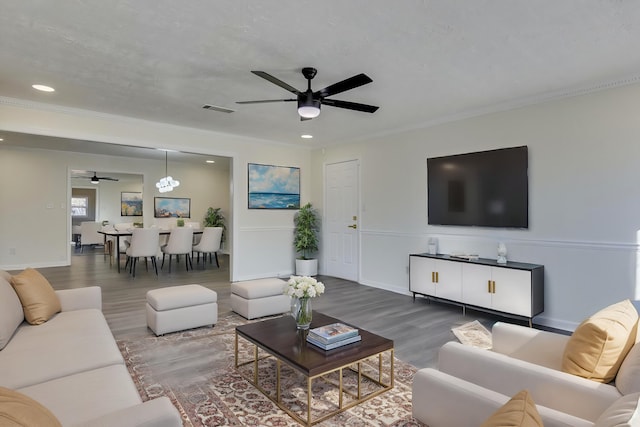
[(216, 108)]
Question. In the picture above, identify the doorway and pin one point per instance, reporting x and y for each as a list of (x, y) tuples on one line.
[(341, 220)]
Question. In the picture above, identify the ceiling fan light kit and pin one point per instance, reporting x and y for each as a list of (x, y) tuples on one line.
[(309, 102)]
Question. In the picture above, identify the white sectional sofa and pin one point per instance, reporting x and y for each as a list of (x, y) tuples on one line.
[(71, 364), (471, 383)]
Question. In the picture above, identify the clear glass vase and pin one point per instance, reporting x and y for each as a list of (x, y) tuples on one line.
[(302, 312)]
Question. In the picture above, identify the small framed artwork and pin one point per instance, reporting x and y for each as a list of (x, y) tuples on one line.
[(274, 187), (171, 207), (130, 204)]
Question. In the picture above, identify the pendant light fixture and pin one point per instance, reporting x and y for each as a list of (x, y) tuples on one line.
[(167, 183)]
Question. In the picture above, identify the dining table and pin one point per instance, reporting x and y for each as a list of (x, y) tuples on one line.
[(129, 232)]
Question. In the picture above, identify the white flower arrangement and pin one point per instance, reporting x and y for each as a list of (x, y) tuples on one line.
[(303, 287)]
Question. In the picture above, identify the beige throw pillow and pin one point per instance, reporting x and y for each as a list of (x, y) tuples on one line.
[(39, 300), (520, 411), (598, 346), (16, 409)]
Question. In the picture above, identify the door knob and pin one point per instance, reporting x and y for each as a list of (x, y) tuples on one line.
[(352, 226)]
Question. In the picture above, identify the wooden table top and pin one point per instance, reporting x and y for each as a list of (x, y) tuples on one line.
[(281, 338)]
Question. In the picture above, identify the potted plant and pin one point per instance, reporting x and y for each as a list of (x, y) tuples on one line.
[(305, 240), (214, 218)]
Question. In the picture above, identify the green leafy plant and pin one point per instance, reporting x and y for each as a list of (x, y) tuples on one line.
[(180, 222), (214, 218), (305, 233)]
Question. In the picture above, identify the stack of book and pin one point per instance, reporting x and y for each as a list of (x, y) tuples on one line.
[(333, 336)]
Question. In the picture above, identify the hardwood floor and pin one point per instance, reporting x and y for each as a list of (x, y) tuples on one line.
[(419, 328)]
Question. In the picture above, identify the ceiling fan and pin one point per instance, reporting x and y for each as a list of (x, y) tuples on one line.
[(96, 179), (309, 102)]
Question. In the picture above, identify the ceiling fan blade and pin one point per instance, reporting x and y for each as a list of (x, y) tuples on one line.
[(276, 81), (350, 83), (264, 101), (106, 178), (350, 105)]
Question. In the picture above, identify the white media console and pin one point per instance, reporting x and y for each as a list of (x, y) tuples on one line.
[(513, 289)]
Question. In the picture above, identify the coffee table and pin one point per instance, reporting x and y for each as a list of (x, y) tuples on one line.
[(280, 339)]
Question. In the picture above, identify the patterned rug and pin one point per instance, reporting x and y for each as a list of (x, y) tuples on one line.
[(196, 370), (473, 333)]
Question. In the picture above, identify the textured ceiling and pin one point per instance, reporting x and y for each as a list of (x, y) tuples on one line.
[(430, 61)]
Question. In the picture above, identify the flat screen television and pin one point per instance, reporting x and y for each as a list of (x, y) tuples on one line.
[(483, 189)]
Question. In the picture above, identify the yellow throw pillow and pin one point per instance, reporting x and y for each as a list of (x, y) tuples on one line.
[(39, 300), (520, 411), (598, 346), (16, 409)]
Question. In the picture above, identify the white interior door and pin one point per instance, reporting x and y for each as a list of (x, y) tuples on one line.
[(341, 220)]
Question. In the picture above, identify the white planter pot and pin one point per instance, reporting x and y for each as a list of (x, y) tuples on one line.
[(306, 267)]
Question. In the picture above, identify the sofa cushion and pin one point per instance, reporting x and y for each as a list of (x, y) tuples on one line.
[(11, 314), (71, 342), (39, 300), (628, 378), (598, 346), (16, 409), (87, 395), (519, 411), (622, 413)]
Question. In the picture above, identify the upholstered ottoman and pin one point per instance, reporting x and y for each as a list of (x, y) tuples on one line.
[(177, 308), (259, 298)]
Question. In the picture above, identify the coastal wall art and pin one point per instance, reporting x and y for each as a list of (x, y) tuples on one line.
[(171, 207), (130, 204), (273, 187)]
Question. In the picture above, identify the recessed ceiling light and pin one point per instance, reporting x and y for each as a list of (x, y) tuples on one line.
[(43, 88), (306, 136), (1, 139), (211, 161)]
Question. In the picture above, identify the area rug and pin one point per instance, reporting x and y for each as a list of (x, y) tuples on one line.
[(474, 334), (196, 370)]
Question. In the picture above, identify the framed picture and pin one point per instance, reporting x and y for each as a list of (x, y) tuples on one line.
[(171, 207), (274, 187), (130, 204)]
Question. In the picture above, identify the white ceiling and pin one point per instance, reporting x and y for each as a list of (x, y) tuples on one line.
[(430, 61)]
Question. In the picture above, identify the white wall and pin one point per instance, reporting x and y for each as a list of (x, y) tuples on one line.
[(261, 240), (584, 201)]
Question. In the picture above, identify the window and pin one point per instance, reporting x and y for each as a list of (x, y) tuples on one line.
[(79, 206)]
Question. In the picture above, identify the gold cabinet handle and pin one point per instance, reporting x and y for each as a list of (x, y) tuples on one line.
[(354, 226), (433, 277), (493, 287), (437, 278), (489, 286)]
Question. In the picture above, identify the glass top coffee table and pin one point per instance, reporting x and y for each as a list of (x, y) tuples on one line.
[(280, 339)]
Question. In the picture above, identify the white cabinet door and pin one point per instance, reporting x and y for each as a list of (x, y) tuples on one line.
[(476, 289), (421, 275), (448, 279), (512, 293)]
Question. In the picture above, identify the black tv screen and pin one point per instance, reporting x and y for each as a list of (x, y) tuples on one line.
[(484, 189)]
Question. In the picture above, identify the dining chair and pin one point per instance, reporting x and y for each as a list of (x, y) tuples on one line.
[(209, 244), (145, 242), (180, 242), (89, 234), (195, 226)]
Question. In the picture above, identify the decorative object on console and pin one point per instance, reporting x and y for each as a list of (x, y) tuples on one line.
[(433, 245), (305, 240), (502, 253), (301, 289), (167, 183)]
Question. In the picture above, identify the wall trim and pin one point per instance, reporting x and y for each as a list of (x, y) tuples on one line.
[(583, 244)]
